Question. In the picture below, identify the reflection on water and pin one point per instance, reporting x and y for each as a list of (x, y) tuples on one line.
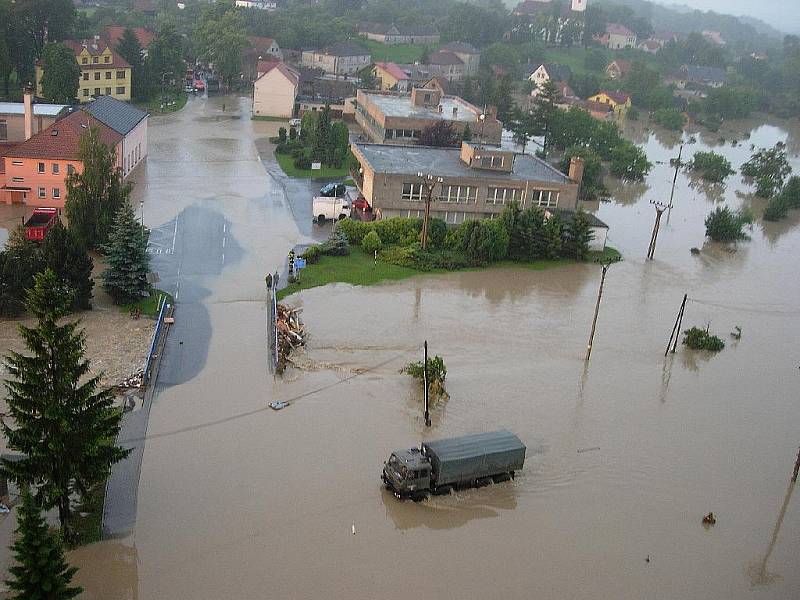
[(759, 575)]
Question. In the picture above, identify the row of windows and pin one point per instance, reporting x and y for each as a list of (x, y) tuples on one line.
[(3, 129), (494, 195), (402, 133), (130, 161), (120, 90), (56, 193), (95, 60), (97, 74)]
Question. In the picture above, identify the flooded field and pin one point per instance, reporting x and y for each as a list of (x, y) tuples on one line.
[(625, 453)]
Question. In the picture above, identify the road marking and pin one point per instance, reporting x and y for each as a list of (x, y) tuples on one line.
[(223, 258), (174, 235), (223, 242)]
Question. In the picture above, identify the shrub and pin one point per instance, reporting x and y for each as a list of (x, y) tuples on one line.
[(437, 372), (437, 231), (297, 152), (712, 167), (302, 163), (371, 242), (313, 253), (282, 134), (628, 161), (354, 230), (282, 149), (791, 192), (777, 208), (484, 241), (292, 133), (699, 339), (725, 225), (336, 244)]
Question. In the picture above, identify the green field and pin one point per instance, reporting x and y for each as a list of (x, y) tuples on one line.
[(360, 268), (287, 164), (154, 105), (398, 53)]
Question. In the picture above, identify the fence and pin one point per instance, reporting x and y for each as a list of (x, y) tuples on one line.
[(151, 355), (272, 330)]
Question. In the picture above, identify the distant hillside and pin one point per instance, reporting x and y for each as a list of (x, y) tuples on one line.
[(684, 19)]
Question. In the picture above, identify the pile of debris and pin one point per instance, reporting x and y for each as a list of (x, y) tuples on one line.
[(133, 381), (290, 333)]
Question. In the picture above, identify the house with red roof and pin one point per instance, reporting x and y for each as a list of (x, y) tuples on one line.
[(112, 34), (391, 77), (275, 90), (616, 37)]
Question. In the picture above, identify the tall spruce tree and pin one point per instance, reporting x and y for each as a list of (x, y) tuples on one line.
[(41, 572), (578, 234), (19, 262), (552, 233), (62, 425), (129, 48), (66, 256), (125, 280), (95, 194), (545, 110)]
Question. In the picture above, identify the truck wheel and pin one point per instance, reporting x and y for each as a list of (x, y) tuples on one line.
[(342, 216), (419, 496), (444, 490), (321, 219), (501, 477), (483, 482)]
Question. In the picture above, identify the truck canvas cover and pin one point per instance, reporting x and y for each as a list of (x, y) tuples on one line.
[(476, 455)]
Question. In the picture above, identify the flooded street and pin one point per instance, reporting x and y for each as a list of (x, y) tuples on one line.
[(238, 501)]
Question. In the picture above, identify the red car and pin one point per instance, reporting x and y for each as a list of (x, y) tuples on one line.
[(361, 204)]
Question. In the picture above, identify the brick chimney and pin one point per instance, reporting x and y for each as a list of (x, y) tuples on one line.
[(576, 169), (27, 95)]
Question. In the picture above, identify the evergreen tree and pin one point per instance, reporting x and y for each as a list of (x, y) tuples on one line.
[(501, 98), (552, 233), (41, 572), (130, 49), (545, 110), (19, 262), (523, 125), (125, 280), (468, 90), (61, 74), (577, 236), (95, 194), (63, 426), (533, 219), (68, 259)]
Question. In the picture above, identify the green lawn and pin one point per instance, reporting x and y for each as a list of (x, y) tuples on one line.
[(154, 105), (359, 268), (287, 164), (265, 118), (571, 57), (398, 53), (148, 306)]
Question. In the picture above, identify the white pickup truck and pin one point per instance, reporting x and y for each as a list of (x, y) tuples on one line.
[(332, 207)]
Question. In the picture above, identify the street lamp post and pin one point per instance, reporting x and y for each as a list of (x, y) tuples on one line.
[(430, 182)]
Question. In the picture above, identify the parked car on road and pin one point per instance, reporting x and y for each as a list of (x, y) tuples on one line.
[(333, 190), (294, 122)]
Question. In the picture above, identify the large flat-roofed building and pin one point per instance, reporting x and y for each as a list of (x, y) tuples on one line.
[(399, 118), (14, 127), (476, 181)]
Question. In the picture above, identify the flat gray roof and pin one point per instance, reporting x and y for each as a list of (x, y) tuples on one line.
[(446, 162), (400, 106), (43, 110)]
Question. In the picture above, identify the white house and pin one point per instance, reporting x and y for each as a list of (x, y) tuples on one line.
[(548, 72), (275, 90), (129, 122)]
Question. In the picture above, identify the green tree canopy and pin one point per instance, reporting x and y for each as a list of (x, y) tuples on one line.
[(61, 74), (41, 571), (68, 259), (125, 279), (768, 167), (130, 49), (62, 425)]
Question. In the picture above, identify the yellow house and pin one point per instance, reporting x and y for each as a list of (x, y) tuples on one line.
[(103, 71), (620, 102), (391, 77)]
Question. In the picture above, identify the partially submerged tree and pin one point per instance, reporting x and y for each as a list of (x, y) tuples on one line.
[(125, 279), (769, 169), (63, 425), (712, 167), (437, 373), (726, 225), (700, 339), (41, 571)]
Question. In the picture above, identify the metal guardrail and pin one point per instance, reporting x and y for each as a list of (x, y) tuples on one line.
[(272, 330), (151, 354)]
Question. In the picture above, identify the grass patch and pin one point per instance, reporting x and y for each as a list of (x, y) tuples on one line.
[(359, 268), (266, 118), (148, 306), (286, 163), (154, 104), (398, 53), (571, 57)]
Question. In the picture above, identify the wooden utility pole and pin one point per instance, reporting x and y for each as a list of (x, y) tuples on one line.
[(796, 467), (429, 182), (660, 208), (678, 165), (425, 383), (606, 265), (676, 329)]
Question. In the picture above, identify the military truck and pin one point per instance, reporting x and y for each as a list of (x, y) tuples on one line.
[(440, 466)]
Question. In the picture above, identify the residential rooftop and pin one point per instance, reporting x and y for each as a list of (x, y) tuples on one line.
[(446, 162), (400, 105), (39, 110), (120, 116)]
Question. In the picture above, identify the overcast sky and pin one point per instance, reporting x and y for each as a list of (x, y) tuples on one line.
[(781, 14)]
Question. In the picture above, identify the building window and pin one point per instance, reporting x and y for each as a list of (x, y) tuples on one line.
[(16, 163), (108, 91), (544, 198), (70, 169), (107, 59), (121, 89), (95, 60), (40, 167), (97, 75), (17, 179), (96, 91), (3, 130), (459, 193), (120, 74), (108, 74), (56, 193), (85, 92), (492, 161), (42, 192), (504, 195), (86, 76), (412, 191), (84, 61), (55, 168)]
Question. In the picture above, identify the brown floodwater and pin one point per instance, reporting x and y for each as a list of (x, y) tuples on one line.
[(238, 501)]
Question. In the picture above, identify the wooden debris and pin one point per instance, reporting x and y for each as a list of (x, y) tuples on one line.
[(133, 381), (291, 334)]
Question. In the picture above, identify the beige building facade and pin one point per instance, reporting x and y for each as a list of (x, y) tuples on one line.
[(275, 91), (472, 182)]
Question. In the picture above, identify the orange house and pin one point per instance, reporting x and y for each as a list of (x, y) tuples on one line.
[(36, 169)]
